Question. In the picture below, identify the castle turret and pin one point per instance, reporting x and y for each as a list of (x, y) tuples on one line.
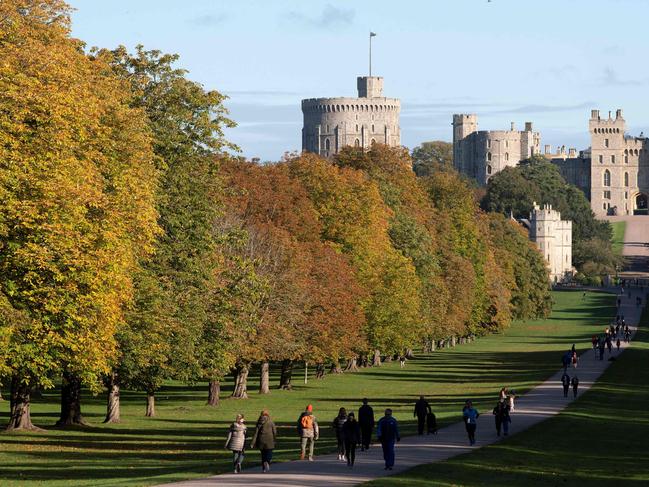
[(553, 236), (332, 123)]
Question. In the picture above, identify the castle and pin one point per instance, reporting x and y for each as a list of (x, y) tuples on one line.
[(553, 236), (332, 123), (482, 153), (613, 173)]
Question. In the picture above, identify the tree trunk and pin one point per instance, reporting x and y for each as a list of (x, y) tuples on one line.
[(352, 365), (335, 368), (71, 401), (241, 382), (364, 360), (214, 393), (409, 354), (19, 406), (427, 346), (376, 361), (433, 345), (286, 375), (150, 404), (112, 405), (264, 378), (388, 358), (453, 341), (319, 371)]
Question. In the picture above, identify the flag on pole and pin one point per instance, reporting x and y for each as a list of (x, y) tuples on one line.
[(372, 34)]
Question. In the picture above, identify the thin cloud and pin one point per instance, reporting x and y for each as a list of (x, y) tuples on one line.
[(547, 108), (209, 20), (610, 78), (329, 17)]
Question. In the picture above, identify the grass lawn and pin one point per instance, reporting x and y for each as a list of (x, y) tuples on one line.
[(599, 440), (618, 236), (186, 438)]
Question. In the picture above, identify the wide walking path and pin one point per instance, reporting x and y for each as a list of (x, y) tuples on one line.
[(540, 403)]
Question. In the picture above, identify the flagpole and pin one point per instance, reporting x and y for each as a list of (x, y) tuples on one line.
[(370, 54)]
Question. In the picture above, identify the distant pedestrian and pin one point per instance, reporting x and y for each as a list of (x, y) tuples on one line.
[(309, 432), (502, 417), (565, 381), (502, 395), (575, 359), (470, 415), (575, 385), (512, 397), (431, 423), (366, 422), (338, 425), (565, 360), (602, 348), (352, 437), (387, 431), (236, 441), (402, 361), (609, 344), (617, 344), (422, 408), (264, 439)]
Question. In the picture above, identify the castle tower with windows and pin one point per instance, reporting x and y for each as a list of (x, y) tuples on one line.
[(332, 123), (553, 236), (482, 153)]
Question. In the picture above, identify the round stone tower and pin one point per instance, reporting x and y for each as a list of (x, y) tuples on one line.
[(332, 123)]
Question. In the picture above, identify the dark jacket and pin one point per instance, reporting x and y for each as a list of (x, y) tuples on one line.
[(338, 425), (565, 380), (265, 434), (366, 416), (422, 408), (352, 431), (501, 411), (387, 430)]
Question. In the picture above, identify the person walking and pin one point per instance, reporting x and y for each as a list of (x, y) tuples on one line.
[(387, 431), (366, 423), (307, 428), (352, 437), (431, 423), (470, 415), (511, 398), (264, 439), (617, 344), (565, 381), (575, 385), (502, 417), (602, 347), (575, 359), (338, 425), (236, 442), (565, 360), (422, 408), (402, 361)]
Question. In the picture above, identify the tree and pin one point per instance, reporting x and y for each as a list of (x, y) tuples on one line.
[(177, 285), (428, 155), (77, 184)]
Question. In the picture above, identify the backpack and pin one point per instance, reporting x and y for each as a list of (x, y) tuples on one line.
[(307, 422)]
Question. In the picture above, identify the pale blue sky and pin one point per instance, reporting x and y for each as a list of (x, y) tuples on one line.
[(546, 61)]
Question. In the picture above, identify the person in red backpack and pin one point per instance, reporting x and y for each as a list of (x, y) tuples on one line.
[(307, 428)]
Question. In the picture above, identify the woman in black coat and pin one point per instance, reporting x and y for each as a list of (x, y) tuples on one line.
[(352, 437)]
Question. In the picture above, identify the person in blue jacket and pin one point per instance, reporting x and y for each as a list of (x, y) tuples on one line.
[(387, 432), (470, 415)]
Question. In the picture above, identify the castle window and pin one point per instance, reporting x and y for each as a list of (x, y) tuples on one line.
[(372, 128), (489, 156), (605, 142), (488, 143), (357, 143), (327, 145), (607, 178), (356, 127), (613, 159), (506, 143), (327, 128), (601, 159), (607, 195), (626, 179), (488, 168), (636, 152), (626, 195), (506, 156), (626, 159)]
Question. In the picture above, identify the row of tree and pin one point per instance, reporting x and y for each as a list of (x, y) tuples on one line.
[(134, 250)]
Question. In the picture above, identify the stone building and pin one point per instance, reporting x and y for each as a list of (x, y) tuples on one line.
[(482, 153), (332, 123), (553, 236)]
